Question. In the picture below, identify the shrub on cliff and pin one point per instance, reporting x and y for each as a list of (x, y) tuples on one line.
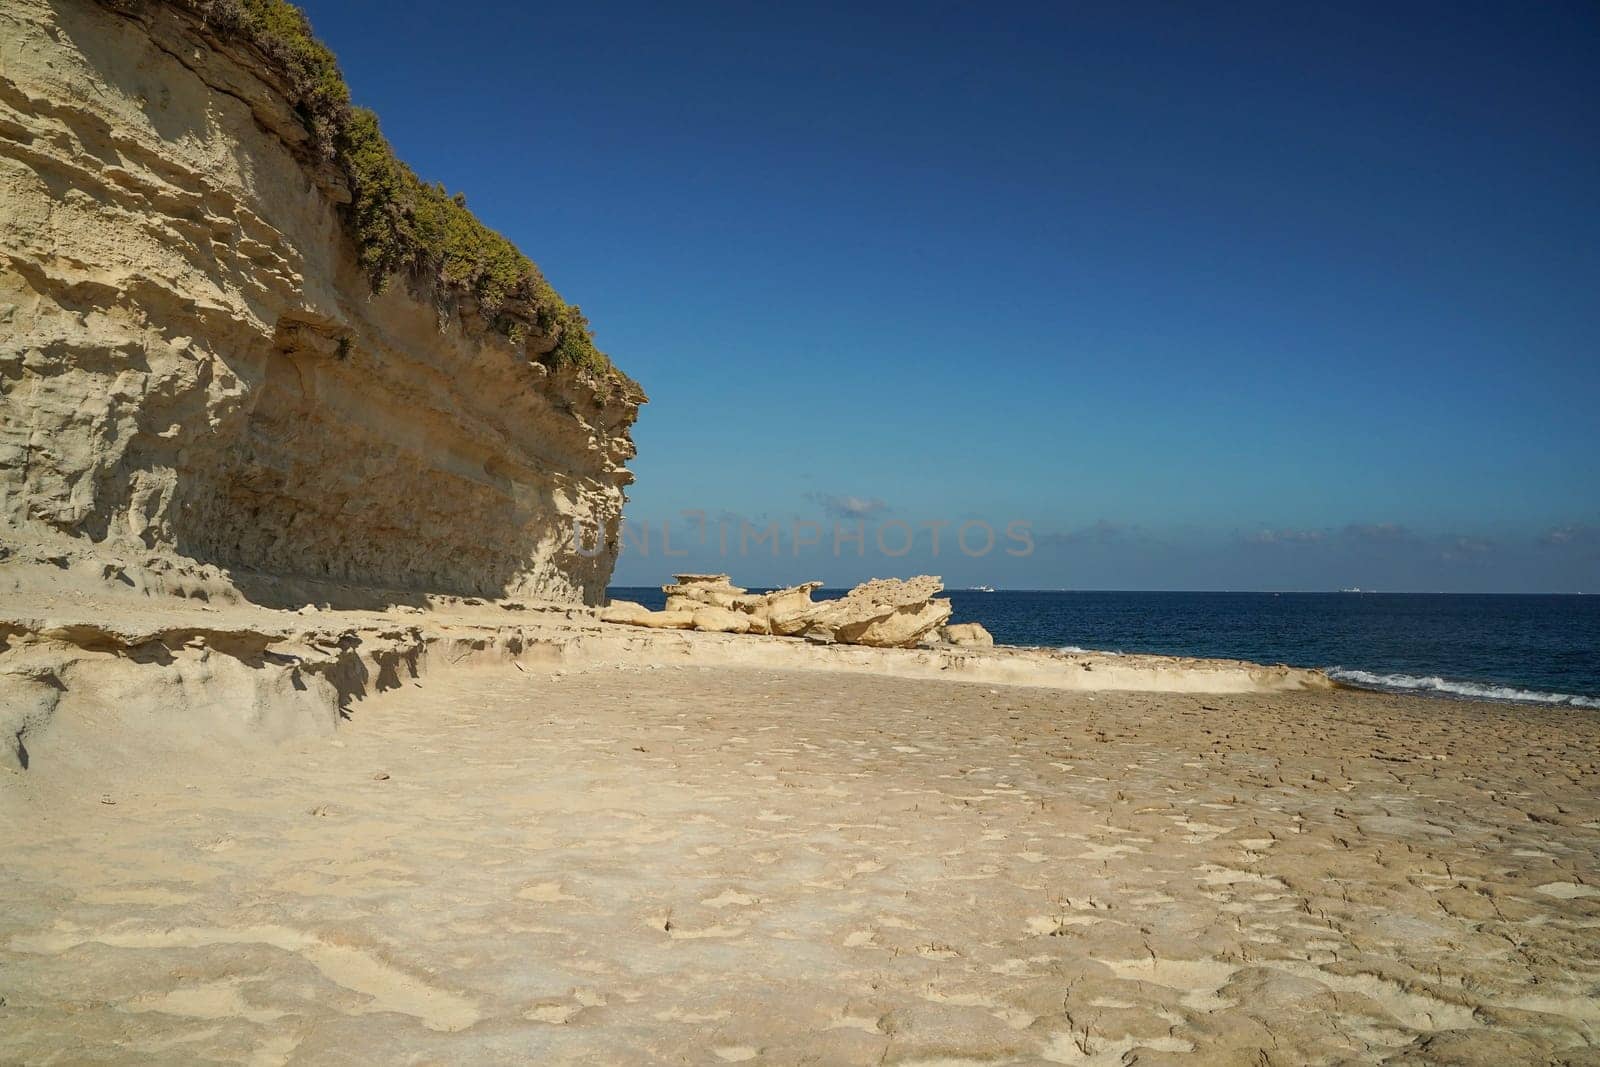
[(400, 223)]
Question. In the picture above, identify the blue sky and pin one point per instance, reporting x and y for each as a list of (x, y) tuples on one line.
[(1260, 296)]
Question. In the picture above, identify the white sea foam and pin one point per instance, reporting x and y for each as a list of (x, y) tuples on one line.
[(1435, 684), (1074, 650)]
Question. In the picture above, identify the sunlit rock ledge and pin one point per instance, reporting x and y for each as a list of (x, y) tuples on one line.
[(243, 670)]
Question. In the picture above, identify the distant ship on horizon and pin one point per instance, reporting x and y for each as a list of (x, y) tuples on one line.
[(980, 588)]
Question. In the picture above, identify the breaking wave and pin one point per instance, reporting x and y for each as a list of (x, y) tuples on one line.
[(1391, 683)]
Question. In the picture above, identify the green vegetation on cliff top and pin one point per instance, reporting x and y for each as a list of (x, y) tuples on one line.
[(401, 224)]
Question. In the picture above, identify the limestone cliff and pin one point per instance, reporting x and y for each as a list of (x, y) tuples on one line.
[(194, 365)]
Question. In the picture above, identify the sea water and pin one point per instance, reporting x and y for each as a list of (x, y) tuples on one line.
[(1526, 649)]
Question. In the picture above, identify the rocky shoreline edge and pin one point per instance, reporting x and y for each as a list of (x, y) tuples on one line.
[(240, 670)]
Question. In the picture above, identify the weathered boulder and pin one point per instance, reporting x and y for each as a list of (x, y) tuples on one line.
[(622, 611), (630, 614), (784, 611), (968, 634), (714, 589), (787, 612), (885, 613), (720, 620)]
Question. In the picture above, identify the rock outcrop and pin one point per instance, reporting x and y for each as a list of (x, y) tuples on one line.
[(721, 621), (884, 613), (631, 614), (789, 611), (194, 366), (967, 635), (691, 591), (170, 671)]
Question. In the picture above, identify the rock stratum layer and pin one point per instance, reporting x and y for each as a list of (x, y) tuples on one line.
[(74, 662), (193, 364)]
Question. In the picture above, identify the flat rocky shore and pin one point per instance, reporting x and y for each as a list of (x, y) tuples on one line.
[(528, 857)]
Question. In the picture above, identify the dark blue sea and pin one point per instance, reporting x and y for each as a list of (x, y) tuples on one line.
[(1529, 649)]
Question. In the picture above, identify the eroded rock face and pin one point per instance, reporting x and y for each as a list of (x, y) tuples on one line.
[(967, 635), (789, 611), (721, 621), (631, 614), (192, 362), (785, 612), (885, 612), (694, 590)]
